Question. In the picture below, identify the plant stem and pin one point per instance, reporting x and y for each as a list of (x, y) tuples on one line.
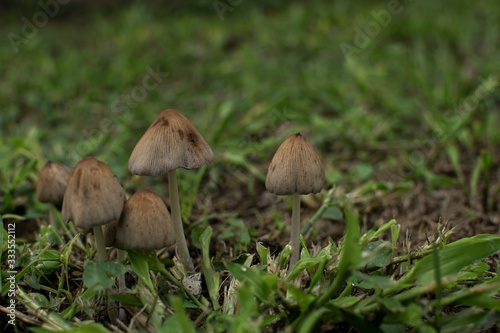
[(99, 240), (175, 207), (326, 203), (295, 231), (52, 220), (120, 256)]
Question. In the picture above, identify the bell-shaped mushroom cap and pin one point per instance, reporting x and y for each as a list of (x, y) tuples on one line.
[(93, 196), (145, 223), (170, 142), (295, 168), (51, 183)]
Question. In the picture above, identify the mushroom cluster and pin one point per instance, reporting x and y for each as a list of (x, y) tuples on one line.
[(92, 197)]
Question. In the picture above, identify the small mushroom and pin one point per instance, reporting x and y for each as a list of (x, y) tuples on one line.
[(51, 183), (93, 198), (171, 142), (144, 223), (50, 186), (295, 169)]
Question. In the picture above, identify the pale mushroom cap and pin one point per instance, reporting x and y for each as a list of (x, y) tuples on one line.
[(170, 142), (295, 168), (51, 183), (145, 223), (93, 196)]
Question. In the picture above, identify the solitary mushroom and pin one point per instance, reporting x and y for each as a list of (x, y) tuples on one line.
[(295, 169), (92, 198), (171, 142), (50, 186)]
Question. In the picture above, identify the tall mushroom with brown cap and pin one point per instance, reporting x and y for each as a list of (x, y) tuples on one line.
[(51, 184), (145, 223), (92, 198), (295, 169), (171, 142)]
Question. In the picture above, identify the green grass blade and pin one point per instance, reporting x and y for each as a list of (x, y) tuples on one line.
[(456, 256)]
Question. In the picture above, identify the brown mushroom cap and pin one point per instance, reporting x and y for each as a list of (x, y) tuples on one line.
[(51, 183), (109, 233), (93, 196), (170, 142), (145, 223), (295, 168)]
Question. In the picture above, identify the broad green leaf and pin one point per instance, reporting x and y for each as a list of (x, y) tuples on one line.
[(351, 250), (333, 213), (139, 263), (301, 265), (372, 281), (456, 256), (33, 281), (261, 283), (263, 252), (248, 304), (375, 254), (363, 170), (100, 275), (469, 320)]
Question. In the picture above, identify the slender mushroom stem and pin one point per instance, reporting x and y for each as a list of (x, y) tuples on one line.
[(99, 240), (181, 245), (295, 231), (120, 256), (52, 220)]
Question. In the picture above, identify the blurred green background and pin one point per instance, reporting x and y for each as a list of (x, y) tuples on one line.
[(76, 81)]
